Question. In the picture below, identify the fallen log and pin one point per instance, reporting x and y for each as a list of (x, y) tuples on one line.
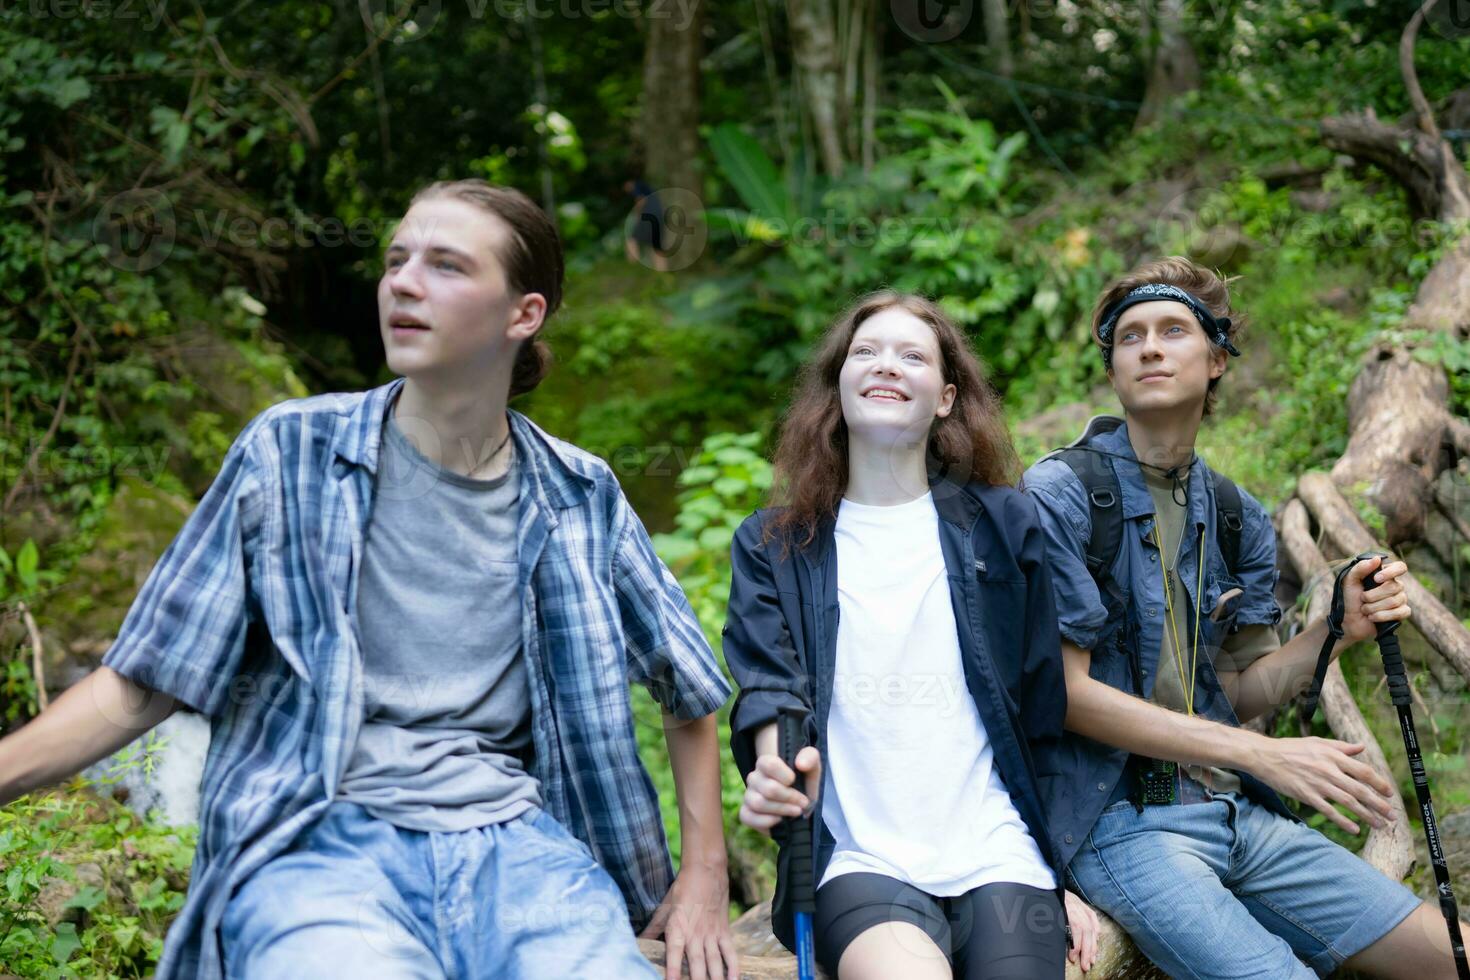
[(1437, 623)]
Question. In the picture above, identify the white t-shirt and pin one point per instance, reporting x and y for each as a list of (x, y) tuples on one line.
[(911, 790)]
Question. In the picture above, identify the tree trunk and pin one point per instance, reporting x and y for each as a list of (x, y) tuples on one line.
[(1401, 433), (818, 58), (1174, 69), (543, 155), (670, 117), (872, 81), (998, 37)]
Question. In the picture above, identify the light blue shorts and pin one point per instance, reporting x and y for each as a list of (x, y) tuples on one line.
[(360, 899), (1229, 889)]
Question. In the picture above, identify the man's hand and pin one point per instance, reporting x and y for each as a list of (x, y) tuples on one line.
[(1322, 771), (1083, 925), (769, 793), (694, 922), (1384, 603)]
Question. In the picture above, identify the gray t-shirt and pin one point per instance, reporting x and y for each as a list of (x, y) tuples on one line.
[(446, 735)]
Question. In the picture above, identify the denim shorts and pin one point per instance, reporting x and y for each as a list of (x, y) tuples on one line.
[(1229, 889), (357, 898)]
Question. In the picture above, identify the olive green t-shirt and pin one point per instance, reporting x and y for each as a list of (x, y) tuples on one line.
[(1237, 651)]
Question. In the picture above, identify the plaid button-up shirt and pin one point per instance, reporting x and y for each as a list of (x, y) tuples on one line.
[(249, 617)]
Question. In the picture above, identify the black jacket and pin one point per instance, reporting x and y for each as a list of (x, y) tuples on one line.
[(780, 641)]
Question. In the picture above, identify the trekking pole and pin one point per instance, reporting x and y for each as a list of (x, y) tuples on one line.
[(790, 737), (1399, 693)]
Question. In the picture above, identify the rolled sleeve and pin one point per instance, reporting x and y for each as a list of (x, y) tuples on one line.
[(1257, 571), (184, 635), (1065, 528), (666, 649), (758, 648)]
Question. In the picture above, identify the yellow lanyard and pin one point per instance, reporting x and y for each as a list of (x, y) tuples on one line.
[(1187, 687)]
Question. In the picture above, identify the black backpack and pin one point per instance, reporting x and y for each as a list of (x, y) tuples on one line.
[(1104, 496)]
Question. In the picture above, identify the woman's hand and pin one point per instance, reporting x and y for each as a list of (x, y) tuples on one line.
[(1083, 923), (769, 793)]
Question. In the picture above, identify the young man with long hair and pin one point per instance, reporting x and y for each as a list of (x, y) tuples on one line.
[(899, 599), (411, 616), (1166, 809)]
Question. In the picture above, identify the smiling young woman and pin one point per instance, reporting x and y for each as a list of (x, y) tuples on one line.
[(897, 596)]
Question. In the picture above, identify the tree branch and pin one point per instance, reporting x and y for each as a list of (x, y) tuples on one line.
[(1424, 114), (38, 667)]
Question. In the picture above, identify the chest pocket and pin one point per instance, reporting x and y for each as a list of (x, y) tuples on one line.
[(1002, 601)]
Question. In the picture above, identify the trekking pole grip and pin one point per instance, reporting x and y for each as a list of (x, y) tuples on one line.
[(791, 739), (1388, 645)]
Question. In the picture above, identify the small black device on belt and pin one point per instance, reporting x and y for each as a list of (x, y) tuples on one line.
[(1157, 782)]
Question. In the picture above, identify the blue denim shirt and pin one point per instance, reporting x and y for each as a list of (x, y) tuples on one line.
[(1116, 628)]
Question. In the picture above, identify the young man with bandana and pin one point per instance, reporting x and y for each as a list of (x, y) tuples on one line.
[(1164, 807)]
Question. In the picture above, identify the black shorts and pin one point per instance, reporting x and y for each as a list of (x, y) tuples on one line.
[(1001, 930)]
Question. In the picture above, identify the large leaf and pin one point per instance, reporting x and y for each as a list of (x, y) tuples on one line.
[(745, 227), (27, 561), (753, 174)]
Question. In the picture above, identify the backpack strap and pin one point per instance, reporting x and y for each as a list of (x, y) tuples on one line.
[(1229, 519), (1105, 502)]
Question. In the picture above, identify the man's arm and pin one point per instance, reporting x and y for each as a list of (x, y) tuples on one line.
[(1316, 771), (694, 918), (94, 718), (1280, 676), (1277, 677), (694, 755)]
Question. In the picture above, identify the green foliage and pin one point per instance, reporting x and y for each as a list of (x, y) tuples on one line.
[(723, 485), (962, 159), (935, 218), (88, 887), (120, 342), (756, 180), (1313, 288), (21, 580), (281, 114)]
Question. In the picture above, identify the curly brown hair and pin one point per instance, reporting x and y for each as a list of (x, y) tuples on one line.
[(1210, 287), (971, 444)]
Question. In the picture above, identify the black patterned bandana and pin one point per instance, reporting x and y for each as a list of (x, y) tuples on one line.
[(1216, 328)]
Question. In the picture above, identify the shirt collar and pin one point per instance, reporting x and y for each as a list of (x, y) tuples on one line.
[(551, 473), (1137, 502), (359, 439)]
